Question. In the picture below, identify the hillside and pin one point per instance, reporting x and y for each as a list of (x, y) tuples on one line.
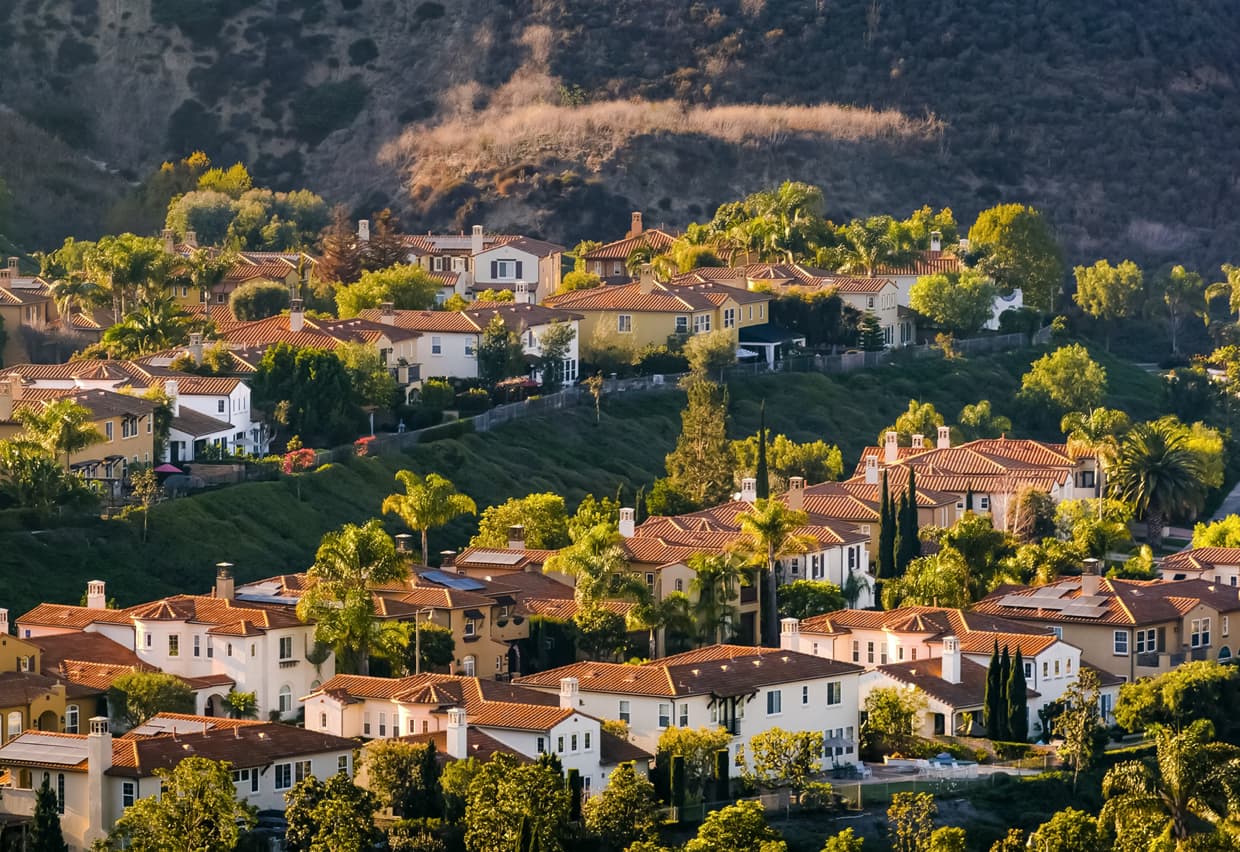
[(264, 529), (560, 116)]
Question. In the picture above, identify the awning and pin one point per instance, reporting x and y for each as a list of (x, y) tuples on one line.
[(746, 353), (474, 614), (505, 600)]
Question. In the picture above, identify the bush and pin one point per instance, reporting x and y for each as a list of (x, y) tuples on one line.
[(258, 300), (455, 429), (659, 359), (437, 395), (418, 416), (473, 401), (321, 110)]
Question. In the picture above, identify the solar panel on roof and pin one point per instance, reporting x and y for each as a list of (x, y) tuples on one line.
[(1077, 610), (1033, 602), (495, 557), (453, 581), (35, 748)]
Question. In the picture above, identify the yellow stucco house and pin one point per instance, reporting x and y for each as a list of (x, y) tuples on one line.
[(28, 699)]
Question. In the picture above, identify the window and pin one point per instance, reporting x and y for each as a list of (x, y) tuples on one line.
[(856, 651), (1147, 641), (542, 745), (869, 652), (650, 581), (323, 722), (1046, 669), (559, 744), (382, 722), (1200, 636), (1058, 631), (471, 627), (469, 665), (805, 695), (626, 713), (1057, 665), (665, 715), (286, 702), (585, 738), (210, 649), (680, 587), (437, 264), (366, 724), (913, 653), (471, 344), (71, 719), (174, 645), (197, 645), (869, 302), (284, 776), (774, 702), (60, 792), (286, 647), (835, 693), (573, 743), (1028, 670), (499, 663), (701, 323), (751, 312), (506, 269), (301, 770), (219, 406), (624, 323), (684, 715), (1226, 625), (682, 325), (148, 639), (899, 652), (729, 317), (342, 764), (107, 431), (852, 558), (129, 793), (221, 298), (246, 778), (436, 345)]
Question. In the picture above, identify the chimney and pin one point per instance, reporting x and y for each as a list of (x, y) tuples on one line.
[(628, 524), (796, 493), (476, 242), (645, 279), (871, 470), (172, 391), (404, 543), (789, 634), (195, 347), (224, 582), (387, 313), (10, 393), (4, 620), (13, 270), (191, 239), (635, 225), (964, 244), (169, 238), (516, 537), (96, 595), (363, 230), (458, 734), (891, 447), (919, 442), (945, 438), (296, 315), (951, 659), (936, 241), (447, 561), (98, 761), (1089, 577), (570, 688), (749, 489)]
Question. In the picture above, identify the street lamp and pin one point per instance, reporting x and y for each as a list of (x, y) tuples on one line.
[(417, 639)]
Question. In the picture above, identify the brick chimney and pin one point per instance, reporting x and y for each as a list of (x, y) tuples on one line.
[(363, 230), (645, 278), (516, 537), (891, 447), (458, 734), (789, 634), (570, 689), (169, 238), (951, 659), (945, 437), (635, 225), (296, 315), (476, 241), (628, 523), (172, 391), (796, 493), (96, 595), (224, 582), (387, 313), (871, 470), (10, 395)]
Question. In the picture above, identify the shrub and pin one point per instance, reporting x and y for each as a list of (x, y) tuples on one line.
[(437, 395), (659, 359), (473, 401), (321, 110), (258, 300), (362, 51), (455, 429)]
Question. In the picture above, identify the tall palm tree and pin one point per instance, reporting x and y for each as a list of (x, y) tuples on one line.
[(1229, 288), (768, 534), (717, 578), (599, 568), (1097, 432), (868, 244), (157, 323), (75, 292), (350, 561), (59, 427), (1192, 778), (1157, 473), (1184, 294), (428, 502)]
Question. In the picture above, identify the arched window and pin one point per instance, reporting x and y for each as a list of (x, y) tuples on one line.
[(14, 727), (71, 719), (286, 699), (1224, 653), (469, 665)]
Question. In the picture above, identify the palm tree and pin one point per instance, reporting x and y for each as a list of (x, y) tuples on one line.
[(157, 323), (768, 533), (1095, 433), (1183, 292), (203, 268), (868, 244), (127, 262), (717, 578), (1157, 473), (1193, 778), (599, 568), (59, 427), (1229, 288), (74, 292), (428, 502), (349, 563)]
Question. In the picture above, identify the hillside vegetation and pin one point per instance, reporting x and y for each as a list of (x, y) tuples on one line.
[(1115, 117), (264, 529)]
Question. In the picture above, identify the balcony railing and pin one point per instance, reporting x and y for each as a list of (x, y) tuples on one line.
[(288, 664)]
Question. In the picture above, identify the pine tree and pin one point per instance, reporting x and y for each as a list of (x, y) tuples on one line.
[(386, 246), (45, 834), (910, 543), (994, 696), (870, 334), (700, 467), (761, 474), (1018, 701), (1001, 705), (886, 558), (341, 259)]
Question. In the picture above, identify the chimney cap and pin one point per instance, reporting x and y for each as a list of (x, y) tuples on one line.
[(404, 542), (223, 570)]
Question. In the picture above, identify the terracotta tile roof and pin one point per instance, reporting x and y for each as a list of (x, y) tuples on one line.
[(927, 263), (714, 529), (661, 299), (855, 284), (714, 670), (795, 275), (1000, 464), (98, 676), (232, 617), (563, 609), (322, 334), (529, 245), (196, 424), (1201, 559), (21, 689), (446, 322), (613, 751), (474, 558), (69, 617), (927, 675), (478, 744), (1123, 602), (87, 659), (970, 627), (517, 317), (657, 239)]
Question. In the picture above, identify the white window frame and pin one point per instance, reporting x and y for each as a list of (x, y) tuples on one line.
[(729, 317), (129, 793), (506, 270), (835, 693), (665, 715), (1119, 643), (774, 702), (624, 323), (436, 345), (625, 711), (286, 648)]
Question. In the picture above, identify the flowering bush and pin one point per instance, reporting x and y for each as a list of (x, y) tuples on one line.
[(299, 460), (362, 445)]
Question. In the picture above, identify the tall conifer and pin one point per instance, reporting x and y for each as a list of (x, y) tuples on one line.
[(761, 474)]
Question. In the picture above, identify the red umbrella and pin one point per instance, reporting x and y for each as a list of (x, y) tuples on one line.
[(168, 468)]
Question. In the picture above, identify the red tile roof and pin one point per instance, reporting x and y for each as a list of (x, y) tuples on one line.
[(656, 239), (927, 263)]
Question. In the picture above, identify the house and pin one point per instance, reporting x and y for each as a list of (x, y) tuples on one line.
[(29, 699), (1218, 565), (291, 269), (647, 313), (1129, 628), (856, 501), (216, 642), (744, 689), (26, 305), (936, 261), (610, 260), (96, 775), (916, 641)]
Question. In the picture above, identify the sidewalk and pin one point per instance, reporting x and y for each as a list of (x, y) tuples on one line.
[(1230, 504)]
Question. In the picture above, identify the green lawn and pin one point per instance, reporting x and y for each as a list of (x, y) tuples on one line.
[(264, 529)]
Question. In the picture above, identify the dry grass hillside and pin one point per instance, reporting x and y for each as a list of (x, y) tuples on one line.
[(559, 116)]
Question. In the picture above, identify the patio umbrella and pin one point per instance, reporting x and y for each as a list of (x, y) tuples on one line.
[(168, 468)]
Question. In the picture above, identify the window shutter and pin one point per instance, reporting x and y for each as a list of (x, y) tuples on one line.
[(1162, 639), (518, 269), (494, 269)]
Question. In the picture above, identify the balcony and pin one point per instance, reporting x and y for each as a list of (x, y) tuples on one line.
[(289, 664), (1202, 653)]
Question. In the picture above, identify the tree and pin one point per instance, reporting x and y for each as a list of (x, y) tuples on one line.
[(1066, 378), (1158, 474), (1193, 782), (371, 380), (885, 559), (768, 534), (908, 531), (996, 699), (578, 280), (949, 838), (813, 461), (406, 286), (870, 334), (331, 815), (1183, 293), (233, 182), (156, 323), (60, 427), (554, 345), (1095, 432), (625, 812), (428, 502), (1013, 841), (1221, 533), (146, 490), (543, 517), (258, 300), (1198, 689), (45, 834), (921, 418), (806, 598), (340, 260), (203, 268), (698, 747), (454, 784), (711, 353), (1068, 830), (137, 696), (975, 538), (491, 295), (598, 567), (1019, 251), (241, 705), (740, 828), (1078, 722), (845, 841), (1031, 516), (940, 579), (349, 562), (784, 759), (502, 794), (594, 384), (699, 467), (311, 388), (386, 247), (404, 776), (197, 811), (1109, 293), (892, 716), (958, 302), (977, 421), (910, 821), (125, 263), (500, 354), (31, 478), (717, 578), (1017, 701)]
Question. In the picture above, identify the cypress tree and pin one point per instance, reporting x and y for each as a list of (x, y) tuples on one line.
[(994, 695), (723, 786), (761, 474), (968, 499), (574, 792), (910, 545), (678, 782), (45, 833), (1018, 701), (1005, 674), (886, 558)]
